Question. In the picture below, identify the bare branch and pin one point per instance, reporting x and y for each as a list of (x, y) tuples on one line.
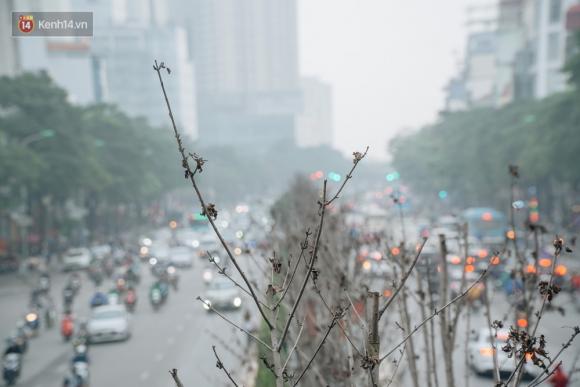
[(576, 331), (333, 322), (310, 267), (221, 366), (357, 158), (234, 324), (435, 313), (303, 247), (222, 271), (363, 323), (404, 279), (294, 346), (173, 373), (205, 208)]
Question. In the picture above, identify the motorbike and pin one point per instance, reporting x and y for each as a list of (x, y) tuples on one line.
[(172, 277), (75, 283), (67, 327), (155, 298), (49, 316), (11, 368), (131, 300), (32, 321), (96, 275), (44, 283), (68, 295), (21, 337)]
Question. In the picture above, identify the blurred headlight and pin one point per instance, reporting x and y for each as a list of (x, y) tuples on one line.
[(207, 275), (237, 302)]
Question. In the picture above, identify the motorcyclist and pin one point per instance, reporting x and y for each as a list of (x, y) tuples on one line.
[(13, 346), (67, 326), (99, 299), (75, 282), (82, 336), (80, 354), (68, 295), (130, 298)]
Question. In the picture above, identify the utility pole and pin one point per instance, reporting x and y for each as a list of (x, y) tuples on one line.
[(373, 339)]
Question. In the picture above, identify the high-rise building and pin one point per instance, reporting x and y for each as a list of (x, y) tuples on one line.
[(532, 39), (480, 68), (246, 58), (115, 65), (314, 124)]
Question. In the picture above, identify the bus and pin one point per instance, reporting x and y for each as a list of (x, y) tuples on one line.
[(487, 225)]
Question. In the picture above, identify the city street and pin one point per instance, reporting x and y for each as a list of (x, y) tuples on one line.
[(179, 335)]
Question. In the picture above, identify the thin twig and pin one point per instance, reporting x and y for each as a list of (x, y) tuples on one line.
[(348, 176), (294, 346), (435, 313), (553, 360), (363, 323), (234, 324), (222, 271), (330, 326), (221, 366), (173, 373), (303, 247), (309, 272), (403, 280), (191, 175)]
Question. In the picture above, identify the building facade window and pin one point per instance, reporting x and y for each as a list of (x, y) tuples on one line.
[(555, 11)]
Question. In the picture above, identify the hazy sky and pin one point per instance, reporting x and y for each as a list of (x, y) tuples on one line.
[(387, 61)]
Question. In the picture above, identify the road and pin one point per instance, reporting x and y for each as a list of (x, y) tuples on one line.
[(556, 327), (180, 335)]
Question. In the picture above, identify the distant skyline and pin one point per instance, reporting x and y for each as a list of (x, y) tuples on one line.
[(388, 63)]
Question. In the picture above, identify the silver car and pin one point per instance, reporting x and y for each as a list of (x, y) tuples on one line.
[(109, 323), (222, 294)]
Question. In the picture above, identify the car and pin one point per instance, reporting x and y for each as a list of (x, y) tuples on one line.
[(101, 251), (181, 256), (109, 323), (481, 355), (76, 258), (222, 294)]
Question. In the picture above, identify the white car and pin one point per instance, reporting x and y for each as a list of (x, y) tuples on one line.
[(481, 355), (101, 251), (76, 258), (109, 323), (222, 294), (181, 256)]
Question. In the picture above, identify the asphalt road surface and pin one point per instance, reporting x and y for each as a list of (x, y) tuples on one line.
[(179, 335)]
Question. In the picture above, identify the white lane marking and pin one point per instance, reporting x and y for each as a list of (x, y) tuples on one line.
[(159, 357), (180, 328), (170, 340), (144, 375)]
